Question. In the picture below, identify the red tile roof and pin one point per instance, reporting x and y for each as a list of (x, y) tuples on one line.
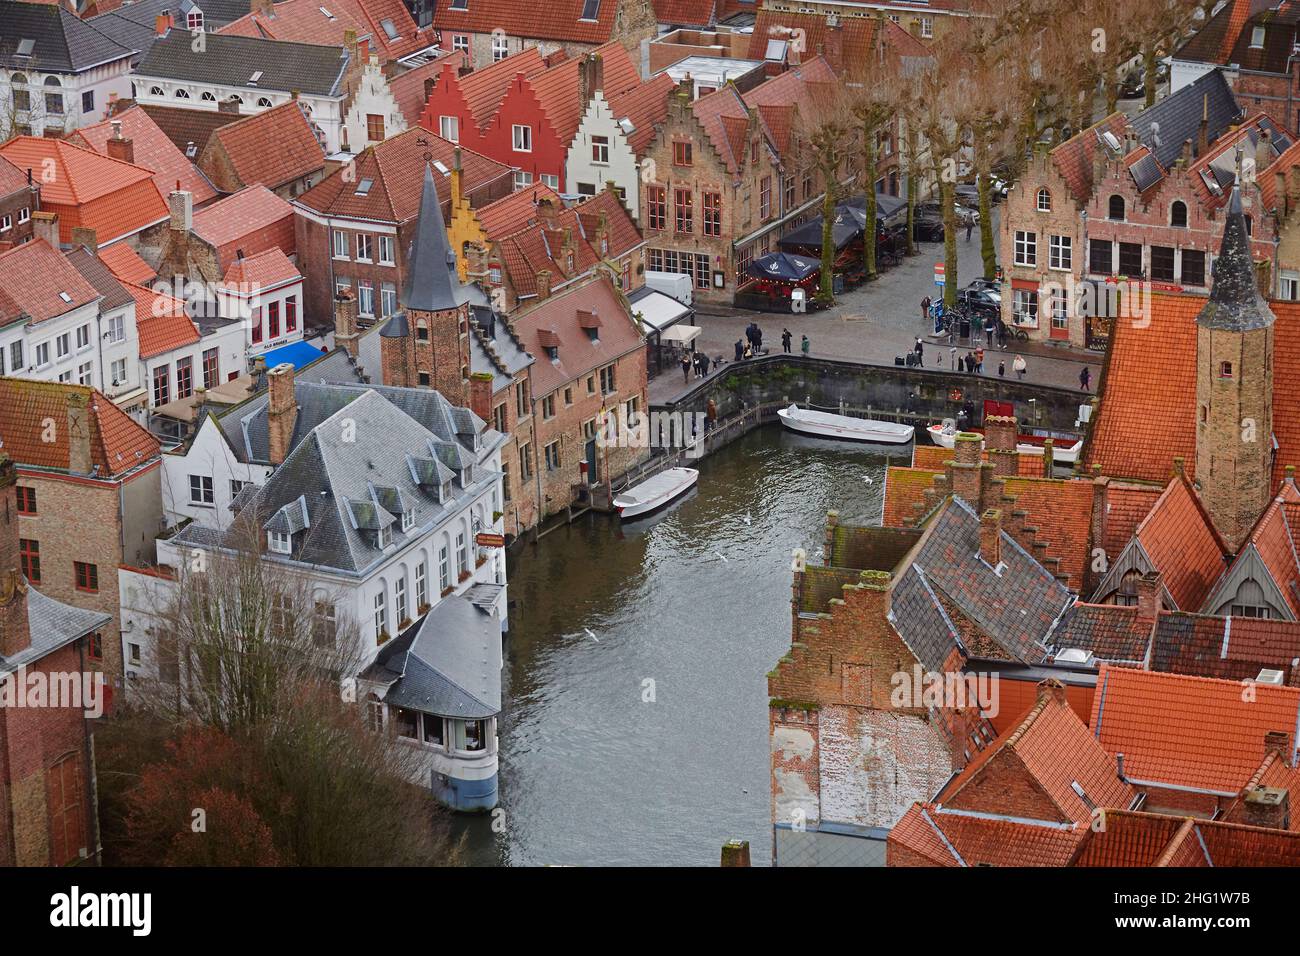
[(644, 106), (1183, 545), (266, 270), (117, 443), (1147, 412), (86, 189), (303, 21), (1234, 648), (712, 111), (555, 20), (578, 354), (1049, 752), (35, 277), (241, 214), (1125, 507), (1275, 773), (125, 263), (933, 457), (151, 149), (274, 147), (686, 13), (395, 169), (559, 94), (408, 88), (485, 87), (1135, 839), (514, 212), (1073, 158), (1189, 731), (161, 321), (944, 837), (12, 179)]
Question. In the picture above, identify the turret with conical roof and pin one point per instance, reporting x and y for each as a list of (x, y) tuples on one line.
[(1234, 387), (426, 344)]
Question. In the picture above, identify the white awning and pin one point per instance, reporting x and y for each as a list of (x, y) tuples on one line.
[(659, 311), (681, 333)]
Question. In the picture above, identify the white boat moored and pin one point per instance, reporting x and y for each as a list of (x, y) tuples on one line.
[(945, 436), (844, 427), (655, 492)]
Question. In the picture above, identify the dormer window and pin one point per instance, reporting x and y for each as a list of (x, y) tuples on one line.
[(444, 491), (1257, 38), (384, 537), (467, 476), (408, 519), (553, 353), (279, 542)]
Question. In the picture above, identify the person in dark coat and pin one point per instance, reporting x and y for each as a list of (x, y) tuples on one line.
[(1002, 369), (925, 307), (758, 340), (785, 340), (919, 349), (740, 349), (1085, 378), (686, 366)]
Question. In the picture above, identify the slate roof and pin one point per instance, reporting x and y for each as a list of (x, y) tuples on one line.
[(1177, 117), (432, 283), (117, 444), (1110, 632), (1235, 303), (1016, 607), (1189, 731), (151, 149), (1237, 648), (495, 349), (99, 275), (448, 664), (52, 625), (1226, 38), (947, 837), (232, 60), (63, 42)]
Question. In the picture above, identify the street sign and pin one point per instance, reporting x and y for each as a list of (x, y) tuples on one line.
[(939, 275), (485, 540)]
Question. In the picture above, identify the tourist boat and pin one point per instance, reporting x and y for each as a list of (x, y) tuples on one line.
[(844, 427), (655, 492), (945, 436)]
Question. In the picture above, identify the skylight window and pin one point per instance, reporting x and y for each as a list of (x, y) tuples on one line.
[(590, 10), (389, 28), (459, 4), (252, 80), (326, 14), (26, 46), (441, 167), (363, 187), (65, 297)]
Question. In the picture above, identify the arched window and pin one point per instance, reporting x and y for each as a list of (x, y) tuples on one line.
[(1044, 201), (182, 94), (263, 101), (1127, 593), (236, 99), (1178, 214), (22, 96), (207, 97), (1116, 211), (53, 96), (156, 91)]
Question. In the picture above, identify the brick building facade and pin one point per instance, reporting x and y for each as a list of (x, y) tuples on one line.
[(19, 198)]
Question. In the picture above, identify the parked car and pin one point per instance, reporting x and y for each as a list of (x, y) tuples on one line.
[(988, 285), (980, 301), (927, 229)]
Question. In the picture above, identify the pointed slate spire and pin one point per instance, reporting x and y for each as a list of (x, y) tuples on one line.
[(431, 281), (1235, 303)]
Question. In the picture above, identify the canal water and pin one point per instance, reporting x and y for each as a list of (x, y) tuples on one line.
[(635, 728)]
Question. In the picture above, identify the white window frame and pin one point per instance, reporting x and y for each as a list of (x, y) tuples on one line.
[(449, 128), (1060, 253), (1026, 246), (343, 249), (521, 133), (385, 250)]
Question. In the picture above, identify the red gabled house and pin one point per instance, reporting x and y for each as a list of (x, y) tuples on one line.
[(528, 121)]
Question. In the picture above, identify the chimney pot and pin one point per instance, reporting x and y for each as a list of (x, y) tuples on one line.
[(1149, 587), (281, 412)]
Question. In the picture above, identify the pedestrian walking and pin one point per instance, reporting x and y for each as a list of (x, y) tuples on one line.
[(740, 349), (1002, 369), (785, 340), (804, 346), (979, 361), (710, 416), (686, 366), (919, 349), (1018, 366), (970, 226), (925, 308), (1085, 378), (702, 365)]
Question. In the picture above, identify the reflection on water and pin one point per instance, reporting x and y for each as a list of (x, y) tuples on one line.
[(635, 729)]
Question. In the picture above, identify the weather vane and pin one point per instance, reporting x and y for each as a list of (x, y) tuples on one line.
[(421, 141)]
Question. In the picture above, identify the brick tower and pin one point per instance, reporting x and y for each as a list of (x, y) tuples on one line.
[(1234, 388), (426, 344)]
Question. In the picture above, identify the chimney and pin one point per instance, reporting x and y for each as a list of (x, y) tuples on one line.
[(1279, 741), (834, 43), (1203, 134), (85, 236), (45, 225), (543, 284), (1266, 807), (162, 23), (965, 470), (591, 77), (1148, 596), (429, 84), (281, 412), (480, 395), (119, 146), (345, 321), (79, 431), (457, 183), (735, 853), (1187, 152), (546, 213), (228, 105), (15, 634), (1263, 151), (181, 204), (1000, 433), (265, 8), (476, 262), (991, 537)]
